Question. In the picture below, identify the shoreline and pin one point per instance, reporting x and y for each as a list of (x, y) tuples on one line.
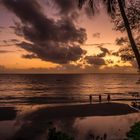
[(81, 110)]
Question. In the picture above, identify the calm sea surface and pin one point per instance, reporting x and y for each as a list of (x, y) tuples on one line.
[(40, 89), (27, 93)]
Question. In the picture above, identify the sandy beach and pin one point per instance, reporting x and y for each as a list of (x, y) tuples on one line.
[(7, 113), (82, 110), (44, 118), (69, 69)]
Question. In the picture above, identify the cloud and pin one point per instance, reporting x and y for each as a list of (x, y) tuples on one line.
[(56, 41), (67, 8), (53, 53), (10, 42), (119, 69), (5, 51), (70, 68), (1, 28), (125, 53), (121, 41), (29, 56), (109, 61), (96, 35), (105, 51), (95, 60), (97, 44)]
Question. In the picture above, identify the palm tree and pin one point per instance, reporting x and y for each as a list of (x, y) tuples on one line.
[(111, 8)]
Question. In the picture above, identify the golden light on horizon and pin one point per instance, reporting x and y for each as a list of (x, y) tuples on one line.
[(99, 30)]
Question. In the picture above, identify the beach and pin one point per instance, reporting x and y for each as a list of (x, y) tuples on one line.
[(82, 110), (69, 70), (36, 124), (30, 105)]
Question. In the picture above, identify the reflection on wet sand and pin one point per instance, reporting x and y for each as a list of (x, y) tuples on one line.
[(7, 113), (36, 124), (114, 127), (82, 110), (138, 81), (32, 94), (7, 122)]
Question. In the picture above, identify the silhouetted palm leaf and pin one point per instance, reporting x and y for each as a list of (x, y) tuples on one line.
[(111, 6), (91, 3)]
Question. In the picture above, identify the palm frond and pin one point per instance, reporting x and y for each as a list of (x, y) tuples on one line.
[(111, 6), (91, 4), (81, 3)]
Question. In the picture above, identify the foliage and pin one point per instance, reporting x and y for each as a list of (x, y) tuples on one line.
[(125, 52), (94, 5), (58, 135), (134, 133), (132, 11)]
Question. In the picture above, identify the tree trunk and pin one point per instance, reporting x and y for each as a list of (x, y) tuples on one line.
[(129, 32)]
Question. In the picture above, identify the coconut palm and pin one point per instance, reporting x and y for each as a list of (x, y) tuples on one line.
[(111, 8)]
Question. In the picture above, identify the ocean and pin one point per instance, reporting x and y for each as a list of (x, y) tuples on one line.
[(22, 96), (66, 88)]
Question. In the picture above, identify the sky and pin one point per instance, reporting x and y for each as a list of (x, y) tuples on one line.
[(42, 36)]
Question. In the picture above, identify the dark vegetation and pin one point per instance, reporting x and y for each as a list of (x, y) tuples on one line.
[(134, 133)]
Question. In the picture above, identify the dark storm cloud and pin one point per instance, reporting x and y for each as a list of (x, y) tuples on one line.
[(67, 6), (95, 60), (55, 41), (53, 52)]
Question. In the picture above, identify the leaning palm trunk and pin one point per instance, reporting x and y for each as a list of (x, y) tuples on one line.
[(111, 9), (129, 32)]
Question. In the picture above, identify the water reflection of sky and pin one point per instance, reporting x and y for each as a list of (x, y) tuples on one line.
[(28, 93), (115, 127), (7, 129), (39, 89)]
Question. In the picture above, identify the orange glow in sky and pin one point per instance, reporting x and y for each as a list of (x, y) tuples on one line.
[(99, 30)]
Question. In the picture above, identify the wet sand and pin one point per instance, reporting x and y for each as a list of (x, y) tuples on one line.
[(7, 113), (82, 110), (42, 118)]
